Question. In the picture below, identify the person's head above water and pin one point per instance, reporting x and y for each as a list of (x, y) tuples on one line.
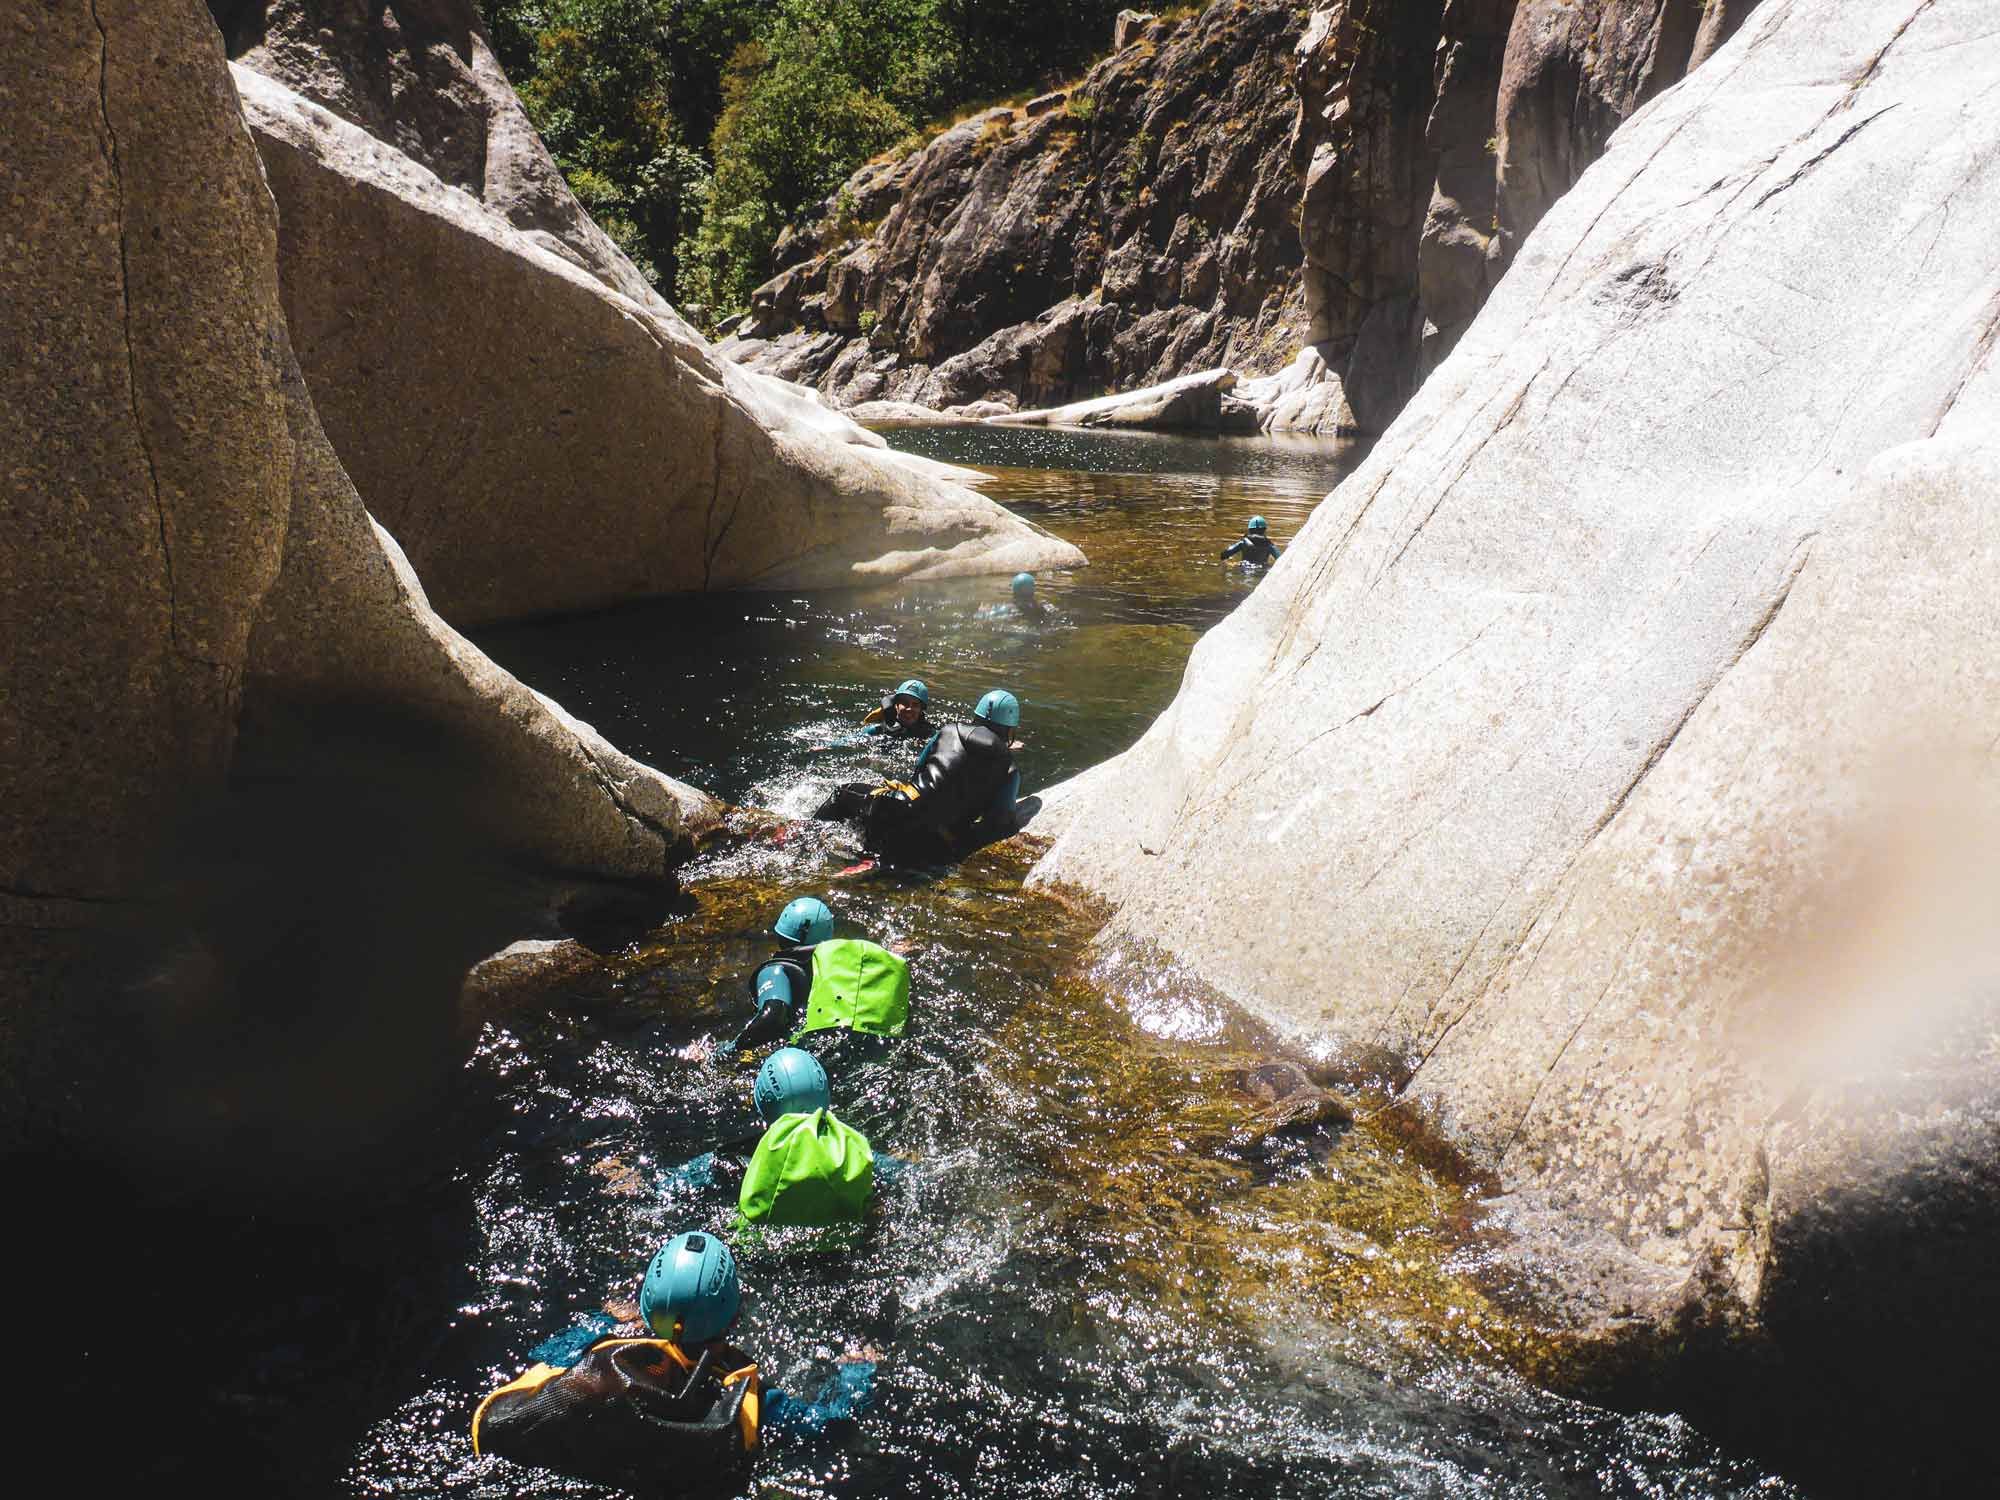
[(690, 1294), (805, 921), (791, 1082), (1257, 526), (1024, 587), (909, 701), (999, 708)]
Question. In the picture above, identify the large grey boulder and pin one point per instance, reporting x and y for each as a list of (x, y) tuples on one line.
[(539, 442), (1569, 711), (255, 790)]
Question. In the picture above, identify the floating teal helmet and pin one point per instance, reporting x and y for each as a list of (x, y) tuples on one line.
[(1257, 524), (913, 689), (791, 1082), (805, 921), (1024, 584), (690, 1294), (999, 707)]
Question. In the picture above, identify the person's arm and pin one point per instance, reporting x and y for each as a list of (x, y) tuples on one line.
[(925, 754), (776, 1008), (1002, 811), (1235, 548), (844, 1396), (566, 1348)]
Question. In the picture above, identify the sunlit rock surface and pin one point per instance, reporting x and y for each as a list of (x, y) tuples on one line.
[(1649, 660), (238, 745), (1319, 197), (537, 427), (1137, 226)]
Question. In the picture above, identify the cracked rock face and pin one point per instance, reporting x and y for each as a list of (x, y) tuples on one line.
[(1327, 197), (249, 772), (1577, 709), (1137, 229)]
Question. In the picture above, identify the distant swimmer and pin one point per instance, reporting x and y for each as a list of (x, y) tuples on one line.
[(1023, 606), (1255, 546), (904, 715), (654, 1389)]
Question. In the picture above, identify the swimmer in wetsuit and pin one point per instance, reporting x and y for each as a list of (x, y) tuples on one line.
[(965, 785), (1023, 606), (904, 715), (662, 1393), (1255, 546)]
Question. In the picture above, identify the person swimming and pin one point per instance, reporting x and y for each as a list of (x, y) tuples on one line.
[(904, 715), (965, 785), (1255, 546), (1022, 606)]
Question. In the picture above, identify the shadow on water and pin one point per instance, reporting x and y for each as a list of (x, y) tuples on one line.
[(1108, 1273)]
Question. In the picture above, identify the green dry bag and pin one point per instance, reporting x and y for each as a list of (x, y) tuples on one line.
[(808, 1169), (857, 986)]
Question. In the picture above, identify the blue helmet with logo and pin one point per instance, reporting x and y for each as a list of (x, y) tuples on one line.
[(1257, 524), (805, 921), (791, 1082), (1024, 585), (690, 1294), (1000, 708), (913, 689)]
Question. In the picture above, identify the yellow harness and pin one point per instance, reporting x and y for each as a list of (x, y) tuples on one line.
[(671, 1356)]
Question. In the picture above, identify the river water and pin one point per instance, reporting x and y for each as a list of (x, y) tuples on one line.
[(1102, 1277)]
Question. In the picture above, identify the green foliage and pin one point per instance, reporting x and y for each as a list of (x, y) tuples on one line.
[(695, 130), (1138, 157), (1080, 107)]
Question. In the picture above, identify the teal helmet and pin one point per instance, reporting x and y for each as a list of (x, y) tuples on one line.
[(690, 1294), (805, 922), (791, 1082), (1024, 584), (1000, 708), (1257, 524), (913, 689)]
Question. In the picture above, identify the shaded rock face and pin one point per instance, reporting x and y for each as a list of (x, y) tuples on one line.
[(1571, 743), (1335, 220), (1433, 137), (263, 808), (421, 76), (1142, 229)]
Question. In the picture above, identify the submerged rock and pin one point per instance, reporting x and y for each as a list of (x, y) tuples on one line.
[(1566, 740), (1290, 1097), (257, 791)]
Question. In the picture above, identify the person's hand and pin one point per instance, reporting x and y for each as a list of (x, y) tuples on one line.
[(1016, 745), (860, 1353)]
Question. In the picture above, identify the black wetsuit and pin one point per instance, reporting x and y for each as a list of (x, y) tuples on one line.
[(965, 776), (1254, 548)]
